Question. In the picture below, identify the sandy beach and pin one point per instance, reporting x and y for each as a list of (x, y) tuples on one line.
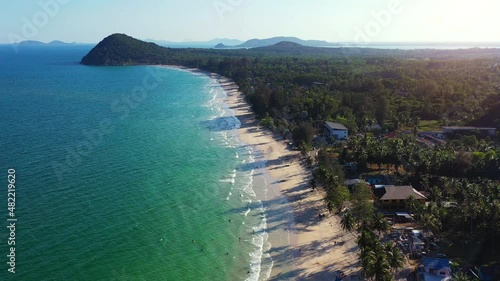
[(305, 246), (317, 247)]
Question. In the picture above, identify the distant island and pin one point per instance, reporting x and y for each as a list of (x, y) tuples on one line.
[(220, 46), (254, 43), (196, 44), (35, 43)]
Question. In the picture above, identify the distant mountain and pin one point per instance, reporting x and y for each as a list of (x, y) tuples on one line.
[(57, 42), (283, 46), (200, 44), (255, 43), (220, 46), (31, 42), (35, 43), (227, 42), (287, 45)]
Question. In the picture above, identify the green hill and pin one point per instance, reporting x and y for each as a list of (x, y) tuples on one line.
[(121, 49)]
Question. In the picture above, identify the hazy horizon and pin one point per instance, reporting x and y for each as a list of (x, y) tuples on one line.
[(384, 21), (339, 42)]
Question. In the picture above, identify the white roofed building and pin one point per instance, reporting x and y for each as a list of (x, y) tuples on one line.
[(336, 130)]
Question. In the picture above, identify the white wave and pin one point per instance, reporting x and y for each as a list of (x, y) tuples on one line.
[(224, 127), (259, 239), (267, 264), (248, 188), (231, 181)]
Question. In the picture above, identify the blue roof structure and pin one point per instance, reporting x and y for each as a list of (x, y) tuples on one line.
[(436, 263)]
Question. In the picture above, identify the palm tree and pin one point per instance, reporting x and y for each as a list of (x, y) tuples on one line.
[(396, 151), (348, 223), (380, 269), (411, 203), (460, 276), (395, 258), (494, 213), (380, 224), (368, 261), (415, 122), (367, 240), (430, 222), (322, 174), (372, 256), (416, 208)]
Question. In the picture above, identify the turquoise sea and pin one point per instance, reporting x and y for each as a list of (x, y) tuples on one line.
[(123, 173)]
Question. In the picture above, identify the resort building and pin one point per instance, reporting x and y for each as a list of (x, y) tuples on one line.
[(336, 130), (355, 182), (351, 183), (435, 269), (395, 197)]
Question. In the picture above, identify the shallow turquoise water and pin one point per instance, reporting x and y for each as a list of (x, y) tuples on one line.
[(119, 169)]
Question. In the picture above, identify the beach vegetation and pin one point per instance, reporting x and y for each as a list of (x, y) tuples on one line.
[(380, 261), (268, 122)]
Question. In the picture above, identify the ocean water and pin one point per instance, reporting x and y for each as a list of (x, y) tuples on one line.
[(124, 173)]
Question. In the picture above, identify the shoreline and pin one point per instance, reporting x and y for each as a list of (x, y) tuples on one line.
[(318, 246), (303, 245)]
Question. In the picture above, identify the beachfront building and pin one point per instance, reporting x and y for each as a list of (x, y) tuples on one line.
[(470, 130), (336, 130), (395, 197), (351, 183), (354, 182), (435, 269)]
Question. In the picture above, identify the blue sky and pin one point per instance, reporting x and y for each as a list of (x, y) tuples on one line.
[(89, 21)]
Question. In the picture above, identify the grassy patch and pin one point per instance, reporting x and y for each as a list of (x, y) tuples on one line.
[(430, 125)]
